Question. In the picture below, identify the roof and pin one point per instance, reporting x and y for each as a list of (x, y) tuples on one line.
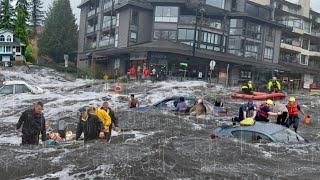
[(265, 128), (14, 82), (5, 30)]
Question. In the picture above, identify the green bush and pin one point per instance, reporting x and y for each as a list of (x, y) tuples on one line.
[(123, 79)]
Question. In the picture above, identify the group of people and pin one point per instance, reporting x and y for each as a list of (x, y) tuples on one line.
[(94, 123), (273, 86), (286, 114)]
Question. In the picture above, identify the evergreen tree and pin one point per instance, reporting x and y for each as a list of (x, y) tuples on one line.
[(36, 13), (60, 33), (20, 30), (7, 14)]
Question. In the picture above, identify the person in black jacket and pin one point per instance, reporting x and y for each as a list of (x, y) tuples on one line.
[(33, 124), (114, 120), (90, 125)]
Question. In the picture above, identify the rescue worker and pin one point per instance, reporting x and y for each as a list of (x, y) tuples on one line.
[(264, 111), (133, 103), (247, 110), (293, 111), (199, 109), (247, 88), (105, 118), (114, 121), (90, 125), (181, 106), (274, 85), (33, 124), (282, 118)]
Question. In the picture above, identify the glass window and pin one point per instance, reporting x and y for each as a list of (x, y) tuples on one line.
[(261, 138), (304, 60), (156, 35), (252, 10), (133, 36), (253, 30), (1, 49), (135, 18), (270, 34), (237, 23), (252, 49), (165, 35), (2, 39), (21, 88), (8, 38), (246, 136), (7, 89), (268, 53), (8, 49), (18, 50), (286, 135), (216, 3), (166, 14), (245, 74), (182, 34)]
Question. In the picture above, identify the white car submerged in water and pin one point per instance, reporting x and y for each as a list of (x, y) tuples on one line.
[(18, 87)]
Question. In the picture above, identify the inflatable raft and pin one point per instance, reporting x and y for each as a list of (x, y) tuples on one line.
[(258, 96)]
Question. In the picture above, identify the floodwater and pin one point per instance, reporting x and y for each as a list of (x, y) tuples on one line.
[(154, 145)]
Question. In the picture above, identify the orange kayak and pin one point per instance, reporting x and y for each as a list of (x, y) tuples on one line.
[(258, 96)]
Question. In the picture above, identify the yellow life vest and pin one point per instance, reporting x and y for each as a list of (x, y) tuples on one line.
[(104, 118), (247, 122)]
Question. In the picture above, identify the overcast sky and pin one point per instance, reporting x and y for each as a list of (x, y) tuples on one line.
[(315, 5)]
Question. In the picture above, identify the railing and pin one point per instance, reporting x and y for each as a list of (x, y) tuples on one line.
[(92, 45), (205, 22), (289, 59), (106, 41), (314, 48), (315, 34), (291, 42), (294, 23)]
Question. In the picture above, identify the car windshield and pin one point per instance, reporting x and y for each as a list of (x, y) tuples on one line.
[(8, 89), (21, 88), (286, 135)]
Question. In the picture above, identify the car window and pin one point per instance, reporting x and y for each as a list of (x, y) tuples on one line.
[(286, 135), (243, 135), (261, 138), (21, 88), (190, 102), (167, 104), (8, 89)]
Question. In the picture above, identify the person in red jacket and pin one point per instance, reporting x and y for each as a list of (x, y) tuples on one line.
[(293, 111), (264, 111), (146, 72), (133, 72)]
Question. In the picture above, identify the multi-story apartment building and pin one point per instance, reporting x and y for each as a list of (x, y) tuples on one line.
[(242, 36), (10, 48), (300, 41)]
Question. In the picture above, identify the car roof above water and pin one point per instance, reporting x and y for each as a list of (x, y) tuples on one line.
[(262, 127), (13, 82)]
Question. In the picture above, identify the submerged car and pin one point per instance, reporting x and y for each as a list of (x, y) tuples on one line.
[(260, 132), (17, 87), (170, 103)]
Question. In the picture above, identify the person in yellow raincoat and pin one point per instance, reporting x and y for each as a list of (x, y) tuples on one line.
[(247, 88), (105, 118), (274, 85)]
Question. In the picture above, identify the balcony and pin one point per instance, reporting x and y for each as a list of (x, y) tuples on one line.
[(187, 20), (93, 12), (206, 22), (108, 4), (106, 41), (317, 34)]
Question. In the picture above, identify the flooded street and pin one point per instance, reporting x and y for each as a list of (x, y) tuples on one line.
[(154, 144)]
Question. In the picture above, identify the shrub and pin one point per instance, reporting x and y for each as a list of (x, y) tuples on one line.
[(123, 79)]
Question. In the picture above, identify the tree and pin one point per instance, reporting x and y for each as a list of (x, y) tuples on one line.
[(20, 30), (36, 14), (60, 35), (7, 15)]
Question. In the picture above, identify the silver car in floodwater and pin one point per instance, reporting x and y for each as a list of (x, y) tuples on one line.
[(260, 132)]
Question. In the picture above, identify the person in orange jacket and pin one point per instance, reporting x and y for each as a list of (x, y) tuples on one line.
[(293, 111)]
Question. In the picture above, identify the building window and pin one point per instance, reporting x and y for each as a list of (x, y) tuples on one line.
[(107, 21), (270, 34), (166, 14), (252, 49), (235, 45), (116, 41), (8, 49), (135, 18), (8, 38), (211, 41), (304, 60), (253, 31), (268, 53), (236, 27), (2, 39), (18, 50), (257, 11), (106, 40), (186, 34), (216, 3), (1, 49), (165, 35), (245, 74), (133, 36)]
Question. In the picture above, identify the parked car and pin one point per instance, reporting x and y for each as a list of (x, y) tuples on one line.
[(169, 104), (17, 87), (260, 132)]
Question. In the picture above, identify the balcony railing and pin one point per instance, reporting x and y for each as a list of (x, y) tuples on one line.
[(291, 42), (92, 45), (205, 22), (187, 20), (315, 34), (294, 23), (106, 41), (314, 48)]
